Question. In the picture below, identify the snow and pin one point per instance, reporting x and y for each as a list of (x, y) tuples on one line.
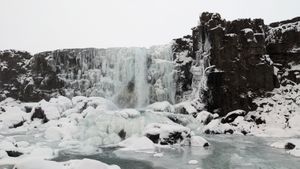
[(164, 106), (53, 133), (158, 155), (62, 102), (43, 152), (137, 144), (36, 163), (165, 130), (12, 115), (247, 30), (51, 110), (129, 113), (198, 141), (187, 106), (204, 117), (193, 162), (282, 144)]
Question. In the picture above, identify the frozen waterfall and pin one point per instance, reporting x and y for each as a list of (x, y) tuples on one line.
[(130, 77)]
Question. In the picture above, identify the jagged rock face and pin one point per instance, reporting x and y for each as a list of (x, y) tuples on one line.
[(230, 63), (12, 67), (17, 80), (283, 46), (183, 57)]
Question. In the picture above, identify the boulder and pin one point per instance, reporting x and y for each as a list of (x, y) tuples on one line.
[(231, 116), (167, 133)]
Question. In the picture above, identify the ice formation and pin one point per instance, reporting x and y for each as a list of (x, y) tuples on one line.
[(130, 77)]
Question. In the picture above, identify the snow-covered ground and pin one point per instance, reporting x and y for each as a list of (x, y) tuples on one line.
[(85, 126)]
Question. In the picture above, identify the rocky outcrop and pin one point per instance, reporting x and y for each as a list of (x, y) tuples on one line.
[(231, 62), (19, 80), (183, 57), (283, 46)]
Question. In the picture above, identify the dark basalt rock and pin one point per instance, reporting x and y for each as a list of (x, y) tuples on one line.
[(289, 146), (14, 153), (206, 145), (173, 138), (237, 53), (183, 57), (153, 137), (122, 134), (19, 80), (234, 58), (283, 46), (230, 117), (39, 114), (18, 124), (28, 109)]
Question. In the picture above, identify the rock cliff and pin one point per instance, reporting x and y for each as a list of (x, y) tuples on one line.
[(223, 64), (232, 62)]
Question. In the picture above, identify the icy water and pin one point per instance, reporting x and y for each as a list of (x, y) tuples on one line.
[(225, 152)]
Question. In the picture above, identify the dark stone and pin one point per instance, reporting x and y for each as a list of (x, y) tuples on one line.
[(234, 55), (39, 114), (175, 119), (289, 146), (28, 109), (259, 121), (122, 134), (14, 153), (230, 117), (205, 145), (18, 124), (154, 138), (229, 131), (173, 138), (244, 132), (208, 131)]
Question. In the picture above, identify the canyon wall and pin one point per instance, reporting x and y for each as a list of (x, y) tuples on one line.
[(232, 62), (223, 64)]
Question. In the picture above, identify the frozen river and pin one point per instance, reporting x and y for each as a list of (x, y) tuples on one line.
[(225, 152)]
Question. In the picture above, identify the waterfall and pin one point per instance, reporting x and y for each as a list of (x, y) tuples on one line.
[(130, 77)]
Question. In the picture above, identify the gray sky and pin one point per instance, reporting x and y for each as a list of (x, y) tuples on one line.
[(39, 25)]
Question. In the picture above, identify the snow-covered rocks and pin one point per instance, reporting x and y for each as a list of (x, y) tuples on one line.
[(158, 155), (12, 117), (167, 133), (231, 116), (189, 107), (204, 117), (292, 146), (43, 153), (37, 163), (110, 126), (164, 106), (62, 102), (137, 144), (193, 162), (51, 110), (198, 141)]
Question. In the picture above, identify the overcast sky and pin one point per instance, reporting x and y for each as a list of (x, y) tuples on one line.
[(39, 25)]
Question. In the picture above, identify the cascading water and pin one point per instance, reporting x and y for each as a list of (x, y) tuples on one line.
[(130, 77)]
